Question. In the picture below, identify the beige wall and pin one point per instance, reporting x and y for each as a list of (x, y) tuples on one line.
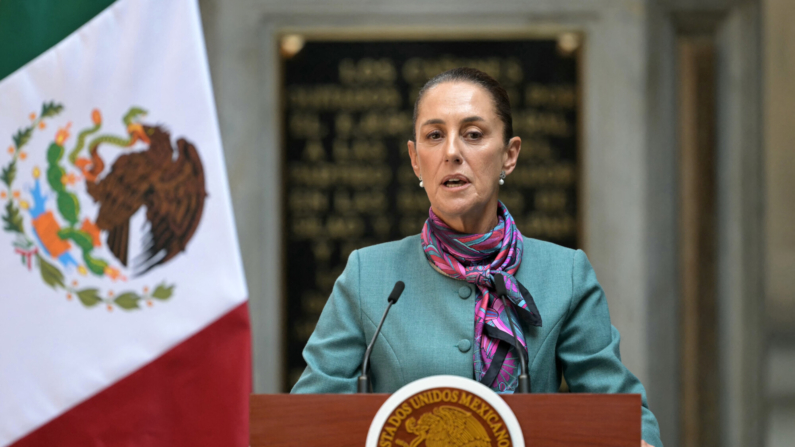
[(779, 95), (779, 135)]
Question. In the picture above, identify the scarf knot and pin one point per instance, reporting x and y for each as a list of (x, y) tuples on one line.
[(484, 279)]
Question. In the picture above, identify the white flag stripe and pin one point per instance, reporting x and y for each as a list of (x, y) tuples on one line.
[(55, 352)]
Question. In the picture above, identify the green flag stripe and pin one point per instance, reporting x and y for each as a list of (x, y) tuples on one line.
[(28, 28)]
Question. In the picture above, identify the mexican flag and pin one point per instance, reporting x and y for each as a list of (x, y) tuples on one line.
[(123, 305)]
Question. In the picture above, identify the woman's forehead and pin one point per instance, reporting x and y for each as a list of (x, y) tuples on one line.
[(456, 100)]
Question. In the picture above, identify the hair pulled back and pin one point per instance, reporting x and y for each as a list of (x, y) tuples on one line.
[(466, 74)]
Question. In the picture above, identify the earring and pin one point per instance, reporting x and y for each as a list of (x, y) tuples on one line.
[(421, 185), (502, 178)]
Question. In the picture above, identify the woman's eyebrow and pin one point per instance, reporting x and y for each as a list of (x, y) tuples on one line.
[(470, 119)]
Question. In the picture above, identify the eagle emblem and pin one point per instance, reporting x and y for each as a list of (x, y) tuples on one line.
[(446, 426), (68, 240)]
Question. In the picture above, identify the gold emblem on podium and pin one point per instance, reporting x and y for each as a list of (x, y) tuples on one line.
[(447, 426), (452, 415)]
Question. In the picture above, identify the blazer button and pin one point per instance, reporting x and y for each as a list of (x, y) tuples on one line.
[(464, 345), (464, 292)]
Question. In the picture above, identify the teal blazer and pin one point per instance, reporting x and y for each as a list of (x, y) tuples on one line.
[(431, 328)]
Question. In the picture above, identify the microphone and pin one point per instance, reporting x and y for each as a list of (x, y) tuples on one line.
[(364, 379), (524, 380)]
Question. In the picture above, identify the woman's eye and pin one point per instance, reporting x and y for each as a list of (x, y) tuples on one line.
[(473, 135), (435, 135)]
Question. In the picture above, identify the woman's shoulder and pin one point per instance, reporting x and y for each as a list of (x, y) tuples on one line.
[(546, 261), (381, 265), (386, 251), (537, 247)]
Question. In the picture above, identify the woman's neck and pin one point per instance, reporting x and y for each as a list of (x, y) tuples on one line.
[(476, 221)]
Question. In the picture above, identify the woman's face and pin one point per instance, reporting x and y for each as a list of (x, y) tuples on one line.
[(459, 154)]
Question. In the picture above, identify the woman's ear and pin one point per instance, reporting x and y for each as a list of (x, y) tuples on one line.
[(511, 154), (415, 160)]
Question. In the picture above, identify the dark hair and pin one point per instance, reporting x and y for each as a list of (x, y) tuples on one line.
[(477, 77)]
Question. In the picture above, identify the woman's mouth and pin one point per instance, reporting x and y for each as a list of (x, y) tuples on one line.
[(456, 182)]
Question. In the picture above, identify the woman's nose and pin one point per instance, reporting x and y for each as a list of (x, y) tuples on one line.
[(452, 152)]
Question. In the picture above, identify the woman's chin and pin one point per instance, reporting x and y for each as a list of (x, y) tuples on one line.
[(454, 208), (463, 196)]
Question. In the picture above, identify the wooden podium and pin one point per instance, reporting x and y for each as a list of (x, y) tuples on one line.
[(547, 420)]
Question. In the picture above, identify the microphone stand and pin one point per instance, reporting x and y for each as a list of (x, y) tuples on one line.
[(363, 385)]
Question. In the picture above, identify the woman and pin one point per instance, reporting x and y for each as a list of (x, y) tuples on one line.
[(448, 320)]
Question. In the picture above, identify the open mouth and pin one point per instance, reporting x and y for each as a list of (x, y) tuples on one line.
[(455, 182)]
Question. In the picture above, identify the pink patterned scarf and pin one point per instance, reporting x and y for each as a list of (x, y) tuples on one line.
[(474, 258)]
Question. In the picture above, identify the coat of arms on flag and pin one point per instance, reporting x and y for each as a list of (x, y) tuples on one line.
[(60, 239), (125, 318)]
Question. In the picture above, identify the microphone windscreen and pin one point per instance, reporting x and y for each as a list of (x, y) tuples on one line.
[(393, 297), (499, 285)]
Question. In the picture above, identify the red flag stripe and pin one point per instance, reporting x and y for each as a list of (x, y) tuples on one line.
[(196, 394)]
